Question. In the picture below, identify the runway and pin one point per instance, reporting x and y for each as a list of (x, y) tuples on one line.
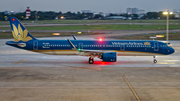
[(31, 76)]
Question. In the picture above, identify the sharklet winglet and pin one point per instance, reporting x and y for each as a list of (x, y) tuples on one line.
[(74, 37)]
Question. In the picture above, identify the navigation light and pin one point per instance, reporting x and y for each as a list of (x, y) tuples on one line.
[(100, 39), (13, 19)]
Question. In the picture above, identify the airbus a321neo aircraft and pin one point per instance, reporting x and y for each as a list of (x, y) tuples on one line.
[(107, 50)]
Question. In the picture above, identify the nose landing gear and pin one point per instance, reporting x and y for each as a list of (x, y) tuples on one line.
[(155, 61)]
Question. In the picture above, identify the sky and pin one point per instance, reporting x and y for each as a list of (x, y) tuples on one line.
[(106, 6)]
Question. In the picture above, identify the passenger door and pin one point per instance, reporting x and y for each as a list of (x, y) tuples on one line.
[(122, 47), (156, 46), (35, 45), (80, 45)]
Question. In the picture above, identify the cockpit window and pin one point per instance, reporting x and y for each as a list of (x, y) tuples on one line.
[(165, 45), (169, 44)]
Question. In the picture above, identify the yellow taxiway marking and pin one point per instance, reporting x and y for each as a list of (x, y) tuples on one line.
[(131, 88), (23, 60), (17, 63)]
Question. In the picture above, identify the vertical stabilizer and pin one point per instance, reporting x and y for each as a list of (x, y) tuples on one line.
[(19, 32)]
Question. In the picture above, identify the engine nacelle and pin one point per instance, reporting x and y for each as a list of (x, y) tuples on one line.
[(109, 57)]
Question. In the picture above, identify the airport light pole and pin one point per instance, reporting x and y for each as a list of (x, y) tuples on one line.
[(167, 25)]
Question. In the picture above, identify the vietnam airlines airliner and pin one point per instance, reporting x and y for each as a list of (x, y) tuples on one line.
[(107, 50)]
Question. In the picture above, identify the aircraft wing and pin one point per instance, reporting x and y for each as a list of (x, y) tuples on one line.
[(85, 52)]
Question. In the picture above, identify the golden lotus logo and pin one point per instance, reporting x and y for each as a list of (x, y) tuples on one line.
[(147, 43), (19, 34)]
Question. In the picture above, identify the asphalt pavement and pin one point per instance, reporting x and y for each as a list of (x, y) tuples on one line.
[(27, 76)]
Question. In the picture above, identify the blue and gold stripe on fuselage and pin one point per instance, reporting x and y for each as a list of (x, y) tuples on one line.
[(57, 52), (76, 52)]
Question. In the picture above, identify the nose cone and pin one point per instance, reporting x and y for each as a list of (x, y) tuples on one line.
[(172, 51)]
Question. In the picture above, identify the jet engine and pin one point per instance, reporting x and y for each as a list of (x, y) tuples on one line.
[(109, 57)]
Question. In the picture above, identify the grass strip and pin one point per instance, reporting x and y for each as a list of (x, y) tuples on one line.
[(101, 27)]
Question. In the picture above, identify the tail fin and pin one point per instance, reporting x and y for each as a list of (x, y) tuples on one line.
[(19, 32)]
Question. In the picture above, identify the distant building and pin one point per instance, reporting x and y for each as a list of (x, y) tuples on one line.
[(115, 18), (9, 12), (176, 13), (6, 12), (132, 10), (100, 13), (176, 10), (12, 12), (86, 11), (140, 12), (135, 11)]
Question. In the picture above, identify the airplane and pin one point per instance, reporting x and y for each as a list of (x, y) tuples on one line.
[(107, 50)]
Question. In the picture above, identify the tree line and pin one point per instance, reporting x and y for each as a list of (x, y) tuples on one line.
[(51, 15)]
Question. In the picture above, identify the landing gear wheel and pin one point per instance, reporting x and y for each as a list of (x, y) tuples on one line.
[(91, 60), (155, 61)]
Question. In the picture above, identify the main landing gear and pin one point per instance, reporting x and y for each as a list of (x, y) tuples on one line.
[(91, 60), (154, 59)]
